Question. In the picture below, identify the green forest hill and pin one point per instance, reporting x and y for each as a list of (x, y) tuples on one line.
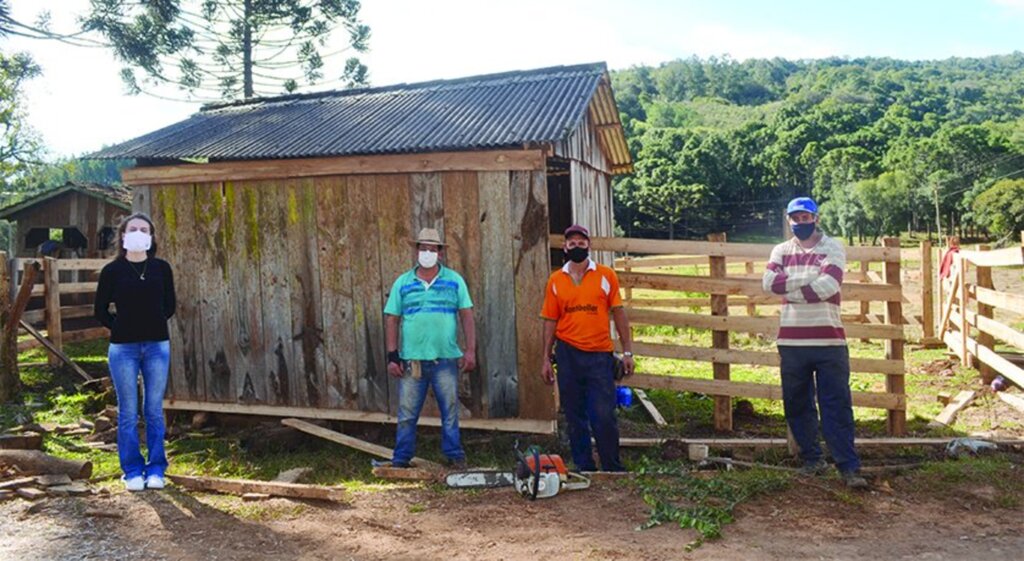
[(886, 145)]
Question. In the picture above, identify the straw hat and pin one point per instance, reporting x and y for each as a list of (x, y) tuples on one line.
[(428, 236)]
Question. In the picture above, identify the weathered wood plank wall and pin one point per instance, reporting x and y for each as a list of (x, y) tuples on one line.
[(282, 283)]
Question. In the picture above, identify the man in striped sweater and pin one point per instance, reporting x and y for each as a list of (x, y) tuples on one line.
[(807, 272)]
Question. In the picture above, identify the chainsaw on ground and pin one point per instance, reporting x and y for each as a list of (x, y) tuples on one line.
[(536, 476)]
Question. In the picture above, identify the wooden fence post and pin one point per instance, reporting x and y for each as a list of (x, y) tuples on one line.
[(720, 340), (51, 286), (984, 276), (927, 298), (894, 383), (10, 382)]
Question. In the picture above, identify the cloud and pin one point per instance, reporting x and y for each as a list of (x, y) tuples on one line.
[(1013, 5)]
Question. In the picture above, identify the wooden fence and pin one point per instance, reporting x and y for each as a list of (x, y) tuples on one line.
[(726, 288), (917, 266), (973, 333), (79, 279)]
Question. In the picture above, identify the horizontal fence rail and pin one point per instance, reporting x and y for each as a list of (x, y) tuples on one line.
[(733, 280), (972, 334)]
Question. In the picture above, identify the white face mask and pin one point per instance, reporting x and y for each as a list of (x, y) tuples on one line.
[(427, 259), (137, 241)]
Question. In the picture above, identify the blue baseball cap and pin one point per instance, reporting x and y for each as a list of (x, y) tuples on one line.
[(802, 204)]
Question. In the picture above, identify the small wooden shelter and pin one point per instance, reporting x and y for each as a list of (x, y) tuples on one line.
[(288, 219), (87, 214)]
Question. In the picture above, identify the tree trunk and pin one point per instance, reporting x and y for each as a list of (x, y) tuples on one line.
[(30, 462), (247, 87)]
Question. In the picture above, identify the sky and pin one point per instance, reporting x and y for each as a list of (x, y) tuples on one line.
[(79, 104)]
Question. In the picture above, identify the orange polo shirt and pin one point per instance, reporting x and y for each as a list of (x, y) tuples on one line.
[(582, 311)]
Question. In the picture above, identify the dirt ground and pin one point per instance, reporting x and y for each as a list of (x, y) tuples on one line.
[(816, 521)]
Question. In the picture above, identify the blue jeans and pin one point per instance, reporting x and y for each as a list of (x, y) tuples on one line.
[(443, 376), (825, 371), (127, 360), (586, 389)]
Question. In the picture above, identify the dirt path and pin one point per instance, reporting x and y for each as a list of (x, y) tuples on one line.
[(802, 523)]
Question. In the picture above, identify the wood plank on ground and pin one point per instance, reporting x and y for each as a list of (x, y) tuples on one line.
[(352, 442), (243, 486), (649, 407), (953, 408), (534, 426), (405, 474), (1015, 401), (55, 351)]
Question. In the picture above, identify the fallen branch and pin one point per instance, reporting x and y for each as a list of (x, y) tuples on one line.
[(244, 486), (34, 462)]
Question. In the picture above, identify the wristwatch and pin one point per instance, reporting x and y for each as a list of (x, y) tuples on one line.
[(628, 353)]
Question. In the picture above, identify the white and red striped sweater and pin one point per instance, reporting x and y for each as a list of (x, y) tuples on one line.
[(809, 282)]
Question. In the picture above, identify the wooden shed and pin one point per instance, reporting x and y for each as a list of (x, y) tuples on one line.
[(287, 220), (85, 214)]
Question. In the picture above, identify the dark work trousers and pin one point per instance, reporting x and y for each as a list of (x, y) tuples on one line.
[(586, 389), (824, 371)]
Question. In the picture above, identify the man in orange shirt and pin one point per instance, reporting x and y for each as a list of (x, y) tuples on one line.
[(578, 301)]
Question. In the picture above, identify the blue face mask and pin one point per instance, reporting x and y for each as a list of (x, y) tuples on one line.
[(803, 231)]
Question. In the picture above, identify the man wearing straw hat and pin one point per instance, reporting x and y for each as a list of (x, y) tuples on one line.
[(807, 271), (427, 302)]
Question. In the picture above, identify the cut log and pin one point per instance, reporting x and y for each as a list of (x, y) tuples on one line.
[(34, 462), (949, 413), (243, 486), (23, 441), (254, 497), (405, 474), (30, 493), (7, 495), (1014, 401), (353, 442)]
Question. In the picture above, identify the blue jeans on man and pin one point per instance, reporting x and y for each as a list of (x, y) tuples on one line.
[(127, 361), (586, 389), (824, 371), (443, 376)]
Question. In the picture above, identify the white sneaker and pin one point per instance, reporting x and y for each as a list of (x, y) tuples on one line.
[(154, 482), (134, 483)]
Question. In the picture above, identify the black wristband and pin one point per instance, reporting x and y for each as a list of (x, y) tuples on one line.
[(394, 357)]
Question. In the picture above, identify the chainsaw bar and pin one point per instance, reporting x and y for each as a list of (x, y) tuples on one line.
[(480, 479)]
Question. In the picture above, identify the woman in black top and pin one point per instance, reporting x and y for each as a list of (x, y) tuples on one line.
[(142, 289)]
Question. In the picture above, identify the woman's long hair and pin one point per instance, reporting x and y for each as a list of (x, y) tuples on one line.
[(121, 251)]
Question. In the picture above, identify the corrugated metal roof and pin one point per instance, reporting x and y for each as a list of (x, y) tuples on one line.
[(481, 112)]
